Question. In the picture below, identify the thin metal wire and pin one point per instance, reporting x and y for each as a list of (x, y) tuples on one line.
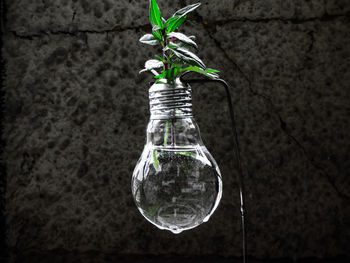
[(236, 150)]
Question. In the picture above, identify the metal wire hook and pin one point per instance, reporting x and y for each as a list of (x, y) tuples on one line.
[(236, 150)]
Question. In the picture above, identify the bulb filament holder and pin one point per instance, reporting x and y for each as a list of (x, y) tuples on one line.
[(170, 103)]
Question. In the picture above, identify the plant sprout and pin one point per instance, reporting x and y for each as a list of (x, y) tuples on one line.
[(177, 56)]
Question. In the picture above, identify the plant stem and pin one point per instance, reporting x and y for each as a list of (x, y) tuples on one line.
[(164, 57), (165, 44), (173, 141), (166, 133)]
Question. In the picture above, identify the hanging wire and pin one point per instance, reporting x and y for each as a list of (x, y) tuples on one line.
[(236, 150)]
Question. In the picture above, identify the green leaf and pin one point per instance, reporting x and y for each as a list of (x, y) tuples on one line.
[(176, 71), (184, 11), (173, 46), (160, 76), (161, 59), (156, 28), (179, 62), (171, 20), (149, 39), (181, 17), (154, 72), (170, 74), (175, 24), (183, 38), (181, 45), (212, 70), (154, 14), (153, 63), (201, 71), (169, 47), (188, 56), (155, 161), (157, 35)]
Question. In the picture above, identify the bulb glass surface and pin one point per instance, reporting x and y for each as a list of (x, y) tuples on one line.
[(176, 183)]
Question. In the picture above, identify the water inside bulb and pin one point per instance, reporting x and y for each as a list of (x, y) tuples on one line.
[(176, 183), (179, 187)]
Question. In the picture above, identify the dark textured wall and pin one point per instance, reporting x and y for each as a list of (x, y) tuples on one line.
[(76, 112)]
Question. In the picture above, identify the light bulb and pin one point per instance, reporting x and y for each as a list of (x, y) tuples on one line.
[(176, 183)]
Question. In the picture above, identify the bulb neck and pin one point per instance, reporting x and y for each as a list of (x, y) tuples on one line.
[(170, 100)]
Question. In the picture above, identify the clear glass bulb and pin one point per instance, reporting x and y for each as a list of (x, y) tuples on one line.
[(176, 183)]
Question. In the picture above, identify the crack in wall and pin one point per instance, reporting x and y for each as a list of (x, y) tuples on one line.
[(146, 27), (324, 18), (73, 15), (310, 159), (283, 124), (77, 32), (312, 38)]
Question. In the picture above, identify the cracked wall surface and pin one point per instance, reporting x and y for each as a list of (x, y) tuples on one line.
[(76, 112)]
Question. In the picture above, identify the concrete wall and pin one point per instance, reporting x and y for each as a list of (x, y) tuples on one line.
[(76, 112)]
